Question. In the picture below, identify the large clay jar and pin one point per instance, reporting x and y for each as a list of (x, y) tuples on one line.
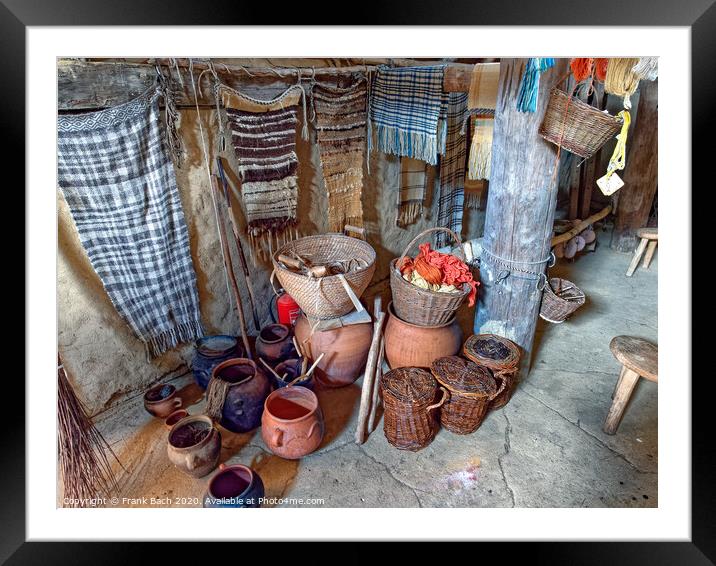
[(274, 343), (162, 400), (346, 351), (210, 352), (292, 423), (410, 345), (246, 388), (194, 445), (234, 486)]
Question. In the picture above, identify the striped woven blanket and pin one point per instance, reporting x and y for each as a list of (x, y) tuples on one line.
[(116, 174), (407, 112), (341, 132)]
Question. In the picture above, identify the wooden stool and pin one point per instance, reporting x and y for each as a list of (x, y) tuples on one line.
[(639, 358), (648, 236)]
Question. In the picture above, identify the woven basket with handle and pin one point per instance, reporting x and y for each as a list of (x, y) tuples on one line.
[(575, 125), (501, 356), (421, 306), (560, 299), (325, 297)]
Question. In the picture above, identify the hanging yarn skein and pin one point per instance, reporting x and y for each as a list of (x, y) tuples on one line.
[(600, 68), (582, 68), (647, 68), (620, 79), (618, 159), (529, 87)]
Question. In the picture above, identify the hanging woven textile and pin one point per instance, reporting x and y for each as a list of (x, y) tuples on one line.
[(620, 79), (413, 178), (117, 176), (263, 134), (452, 170), (647, 68), (482, 96), (481, 147), (529, 87), (484, 82), (341, 132), (407, 110)]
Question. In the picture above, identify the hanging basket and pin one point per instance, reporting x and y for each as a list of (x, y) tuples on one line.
[(560, 299), (575, 125), (325, 297), (421, 306)]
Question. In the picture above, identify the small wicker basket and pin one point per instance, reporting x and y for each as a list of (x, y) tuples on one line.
[(325, 297), (420, 306), (501, 356), (409, 422), (575, 125), (471, 389), (560, 299)]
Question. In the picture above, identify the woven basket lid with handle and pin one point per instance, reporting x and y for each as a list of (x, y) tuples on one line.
[(459, 375), (492, 351), (410, 385)]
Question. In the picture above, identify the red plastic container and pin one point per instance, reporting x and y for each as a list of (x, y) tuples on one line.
[(288, 309)]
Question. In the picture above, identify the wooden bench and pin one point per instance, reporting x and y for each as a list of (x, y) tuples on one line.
[(639, 358), (649, 238)]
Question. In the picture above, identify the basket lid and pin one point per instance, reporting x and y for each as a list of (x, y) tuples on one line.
[(411, 385), (463, 376), (491, 350)]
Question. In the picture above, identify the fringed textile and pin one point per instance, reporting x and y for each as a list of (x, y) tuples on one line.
[(341, 115), (481, 148), (413, 177), (647, 68), (263, 134), (452, 170), (118, 179), (406, 107), (483, 86), (529, 87)]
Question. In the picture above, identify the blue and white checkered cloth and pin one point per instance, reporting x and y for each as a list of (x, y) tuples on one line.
[(117, 176)]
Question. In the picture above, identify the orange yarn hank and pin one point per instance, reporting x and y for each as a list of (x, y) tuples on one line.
[(600, 68), (581, 68), (454, 271)]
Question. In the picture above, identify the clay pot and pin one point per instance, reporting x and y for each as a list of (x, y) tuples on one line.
[(248, 387), (410, 345), (274, 344), (234, 486), (346, 351), (162, 400), (292, 423), (210, 352), (194, 445), (175, 417), (292, 367)]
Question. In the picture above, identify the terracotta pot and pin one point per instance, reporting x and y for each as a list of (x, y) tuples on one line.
[(245, 395), (162, 400), (410, 345), (175, 417), (274, 343), (346, 351), (292, 424), (234, 486), (210, 352), (194, 445)]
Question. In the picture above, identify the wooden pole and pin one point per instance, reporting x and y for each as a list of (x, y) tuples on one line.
[(581, 226), (640, 173), (370, 370), (520, 211)]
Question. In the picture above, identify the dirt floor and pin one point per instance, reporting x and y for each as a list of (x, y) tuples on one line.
[(544, 449)]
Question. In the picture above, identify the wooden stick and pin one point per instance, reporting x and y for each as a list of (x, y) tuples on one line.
[(367, 390), (318, 359), (376, 387), (229, 266), (297, 346), (581, 226), (268, 367)]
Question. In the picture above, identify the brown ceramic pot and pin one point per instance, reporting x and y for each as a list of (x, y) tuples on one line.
[(410, 345), (162, 400), (292, 423), (175, 417), (274, 343), (194, 445), (346, 351)]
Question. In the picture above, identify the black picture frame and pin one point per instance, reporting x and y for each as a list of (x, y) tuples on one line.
[(699, 15)]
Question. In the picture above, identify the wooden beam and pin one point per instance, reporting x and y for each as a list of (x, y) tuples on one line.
[(90, 85), (581, 226), (520, 211), (640, 173)]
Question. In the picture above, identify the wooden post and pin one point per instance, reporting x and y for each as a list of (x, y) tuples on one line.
[(640, 173), (520, 211)]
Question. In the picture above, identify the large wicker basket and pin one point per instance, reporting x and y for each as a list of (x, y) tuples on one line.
[(471, 389), (575, 125), (409, 420), (325, 297), (501, 356), (560, 299), (420, 306)]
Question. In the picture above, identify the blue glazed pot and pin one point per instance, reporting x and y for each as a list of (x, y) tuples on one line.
[(292, 368), (234, 486), (248, 387), (210, 352)]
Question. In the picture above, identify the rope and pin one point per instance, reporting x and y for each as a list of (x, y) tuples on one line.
[(618, 159), (509, 266)]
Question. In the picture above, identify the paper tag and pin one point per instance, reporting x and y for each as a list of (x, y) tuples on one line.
[(610, 184)]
